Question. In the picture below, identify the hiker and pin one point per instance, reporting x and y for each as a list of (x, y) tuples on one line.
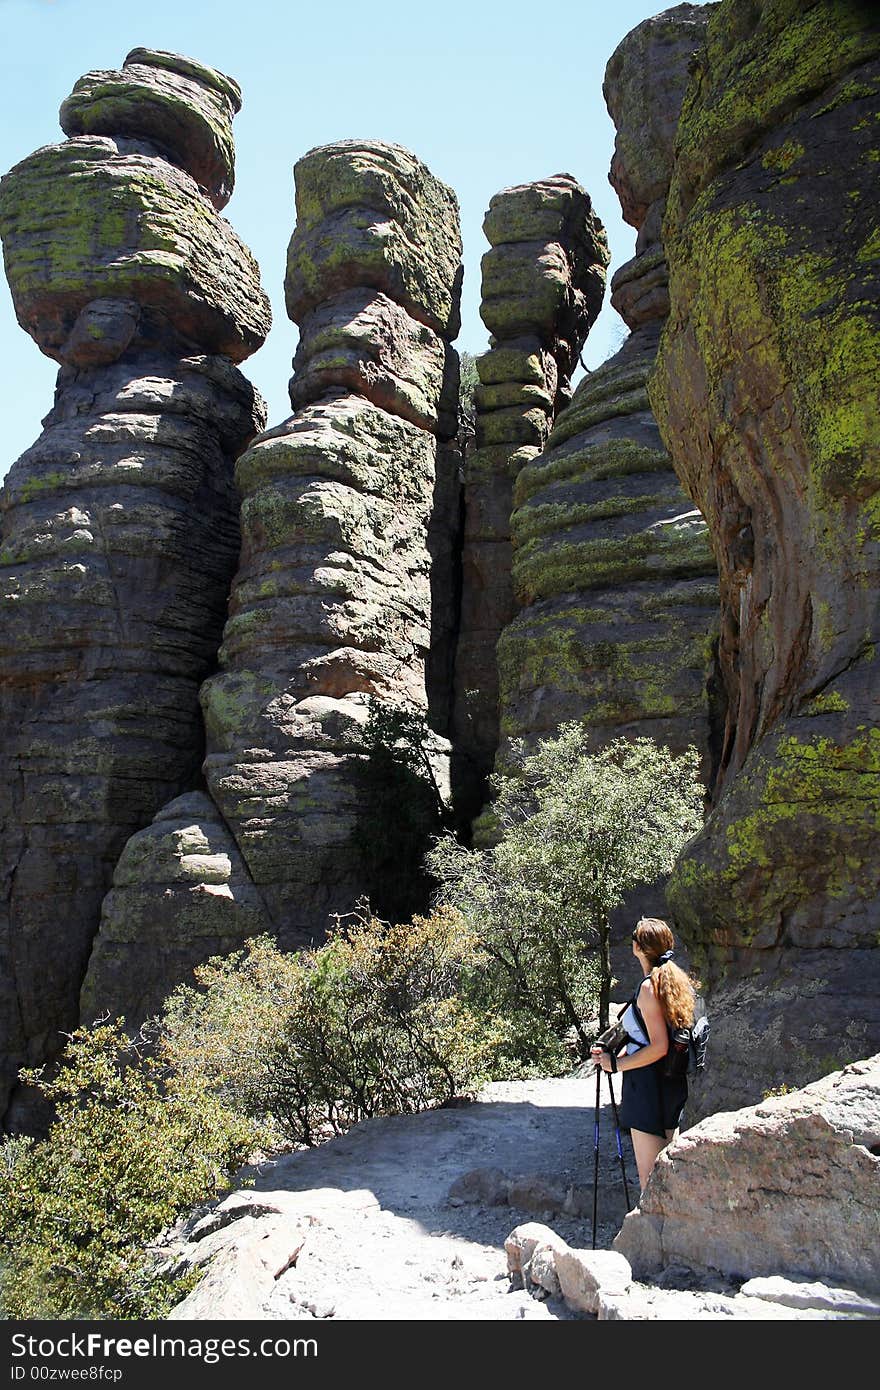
[(651, 1103)]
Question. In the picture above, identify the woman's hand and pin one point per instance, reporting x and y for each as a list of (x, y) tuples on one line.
[(601, 1058)]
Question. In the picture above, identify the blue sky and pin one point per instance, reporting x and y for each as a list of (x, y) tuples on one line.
[(487, 94)]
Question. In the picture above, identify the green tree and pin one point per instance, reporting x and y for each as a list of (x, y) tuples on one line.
[(133, 1146), (576, 832), (467, 412)]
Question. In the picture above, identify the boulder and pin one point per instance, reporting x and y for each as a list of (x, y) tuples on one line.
[(239, 1279), (522, 1243), (643, 1304), (181, 893), (486, 1187), (787, 1187), (585, 1274), (776, 1289)]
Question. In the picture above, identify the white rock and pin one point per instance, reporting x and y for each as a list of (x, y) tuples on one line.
[(542, 1271), (776, 1289), (238, 1281), (523, 1241), (583, 1273), (666, 1305)]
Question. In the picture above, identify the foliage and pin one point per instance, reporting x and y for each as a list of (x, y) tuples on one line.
[(467, 411), (576, 832), (372, 1023), (133, 1145), (400, 809)]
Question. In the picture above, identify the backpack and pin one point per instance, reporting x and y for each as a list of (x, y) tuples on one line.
[(688, 1047)]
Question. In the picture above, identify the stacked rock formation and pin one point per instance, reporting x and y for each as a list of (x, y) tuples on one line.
[(613, 573), (766, 395), (543, 282), (332, 602), (119, 526)]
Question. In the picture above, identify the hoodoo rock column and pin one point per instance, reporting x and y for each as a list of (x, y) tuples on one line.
[(332, 603), (543, 282), (344, 592), (119, 526), (613, 573)]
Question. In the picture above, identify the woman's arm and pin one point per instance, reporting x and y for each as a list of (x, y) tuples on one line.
[(658, 1045)]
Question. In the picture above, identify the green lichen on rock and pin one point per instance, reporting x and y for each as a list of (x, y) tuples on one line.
[(613, 458), (182, 107), (679, 548), (615, 681), (765, 392), (796, 835), (761, 62), (80, 221), (371, 213)]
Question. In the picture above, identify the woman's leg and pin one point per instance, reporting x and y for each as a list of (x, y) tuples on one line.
[(647, 1147)]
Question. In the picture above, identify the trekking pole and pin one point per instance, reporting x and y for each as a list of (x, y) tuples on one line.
[(619, 1144), (596, 1153)]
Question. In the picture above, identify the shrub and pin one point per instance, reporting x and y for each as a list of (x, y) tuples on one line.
[(372, 1023), (133, 1145), (576, 831)]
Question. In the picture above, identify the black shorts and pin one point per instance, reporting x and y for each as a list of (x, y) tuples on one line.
[(650, 1101)]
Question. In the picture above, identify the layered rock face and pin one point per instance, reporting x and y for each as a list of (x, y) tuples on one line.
[(119, 526), (765, 391), (332, 603), (543, 282), (613, 573), (181, 894)]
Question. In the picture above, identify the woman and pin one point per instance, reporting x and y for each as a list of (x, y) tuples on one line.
[(651, 1103)]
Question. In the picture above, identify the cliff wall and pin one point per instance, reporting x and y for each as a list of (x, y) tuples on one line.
[(766, 394)]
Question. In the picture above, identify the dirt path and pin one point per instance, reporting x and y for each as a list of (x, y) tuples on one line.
[(383, 1240)]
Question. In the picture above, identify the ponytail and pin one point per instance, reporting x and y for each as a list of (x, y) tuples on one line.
[(676, 993), (675, 990)]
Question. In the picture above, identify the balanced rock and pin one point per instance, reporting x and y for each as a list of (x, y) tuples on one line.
[(371, 214), (765, 393), (543, 282), (119, 532), (787, 1187), (182, 107), (125, 210)]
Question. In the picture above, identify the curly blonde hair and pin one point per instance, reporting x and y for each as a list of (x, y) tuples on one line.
[(675, 990)]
